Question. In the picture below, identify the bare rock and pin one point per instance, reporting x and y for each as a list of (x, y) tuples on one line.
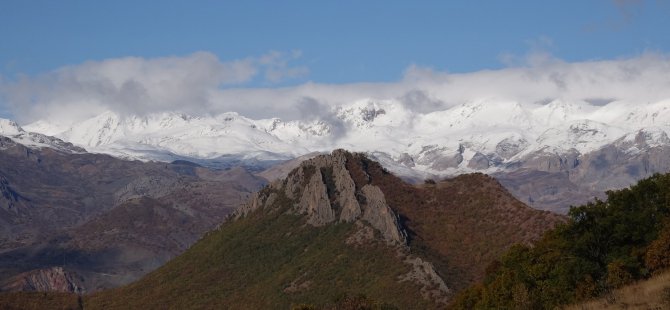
[(256, 201), (379, 215), (423, 273), (323, 190), (406, 160), (314, 202), (479, 162), (509, 147), (54, 279), (552, 162), (362, 234), (151, 186), (346, 189)]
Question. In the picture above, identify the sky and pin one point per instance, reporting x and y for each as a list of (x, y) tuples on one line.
[(201, 56)]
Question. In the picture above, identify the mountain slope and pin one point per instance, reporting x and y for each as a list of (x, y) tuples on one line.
[(103, 219), (461, 223), (480, 135), (653, 293), (339, 225), (604, 245)]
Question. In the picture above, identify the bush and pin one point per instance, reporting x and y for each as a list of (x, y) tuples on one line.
[(618, 275), (658, 253)]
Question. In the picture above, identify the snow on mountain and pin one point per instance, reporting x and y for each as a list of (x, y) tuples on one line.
[(13, 131), (9, 128), (480, 135)]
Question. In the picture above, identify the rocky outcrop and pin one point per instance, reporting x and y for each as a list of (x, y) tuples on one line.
[(406, 160), (424, 274), (551, 161), (314, 202), (379, 215), (146, 186), (479, 162), (54, 279), (551, 180), (509, 147), (323, 190), (440, 158), (623, 162)]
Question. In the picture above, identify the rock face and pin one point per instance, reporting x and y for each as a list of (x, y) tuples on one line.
[(54, 279), (379, 215), (554, 181), (479, 162), (323, 190)]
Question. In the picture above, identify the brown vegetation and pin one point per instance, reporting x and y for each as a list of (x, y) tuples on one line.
[(648, 294), (39, 301), (461, 224)]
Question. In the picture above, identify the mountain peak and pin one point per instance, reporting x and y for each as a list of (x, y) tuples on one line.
[(322, 189), (17, 135), (9, 128)]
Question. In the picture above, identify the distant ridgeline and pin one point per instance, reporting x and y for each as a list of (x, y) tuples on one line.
[(604, 245)]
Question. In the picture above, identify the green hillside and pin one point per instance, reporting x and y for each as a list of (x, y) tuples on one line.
[(266, 261)]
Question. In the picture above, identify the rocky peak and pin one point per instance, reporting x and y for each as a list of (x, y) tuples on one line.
[(9, 128), (323, 190)]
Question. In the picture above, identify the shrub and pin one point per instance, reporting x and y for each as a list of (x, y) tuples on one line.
[(618, 275), (658, 252)]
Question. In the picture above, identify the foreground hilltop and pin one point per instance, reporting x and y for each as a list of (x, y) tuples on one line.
[(341, 225)]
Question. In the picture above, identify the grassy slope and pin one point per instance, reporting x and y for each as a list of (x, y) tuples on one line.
[(250, 262), (653, 293), (34, 300)]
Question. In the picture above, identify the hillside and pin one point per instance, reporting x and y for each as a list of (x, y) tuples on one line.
[(103, 220), (604, 246), (653, 293), (340, 225)]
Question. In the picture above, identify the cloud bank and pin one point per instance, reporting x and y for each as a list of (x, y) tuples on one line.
[(202, 84)]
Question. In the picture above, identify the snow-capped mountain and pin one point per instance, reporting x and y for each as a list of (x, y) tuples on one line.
[(549, 154), (481, 135), (13, 131)]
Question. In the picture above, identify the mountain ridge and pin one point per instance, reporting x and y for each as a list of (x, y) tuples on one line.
[(342, 225), (492, 136), (498, 129), (100, 218)]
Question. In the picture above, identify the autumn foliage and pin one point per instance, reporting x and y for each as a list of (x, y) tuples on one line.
[(605, 245)]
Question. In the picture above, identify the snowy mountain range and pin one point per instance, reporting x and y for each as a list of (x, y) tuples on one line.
[(484, 135), (619, 142)]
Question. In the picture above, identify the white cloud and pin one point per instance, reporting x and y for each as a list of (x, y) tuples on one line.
[(277, 64), (193, 84)]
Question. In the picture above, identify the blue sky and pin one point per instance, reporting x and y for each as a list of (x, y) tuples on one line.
[(335, 42), (340, 41)]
